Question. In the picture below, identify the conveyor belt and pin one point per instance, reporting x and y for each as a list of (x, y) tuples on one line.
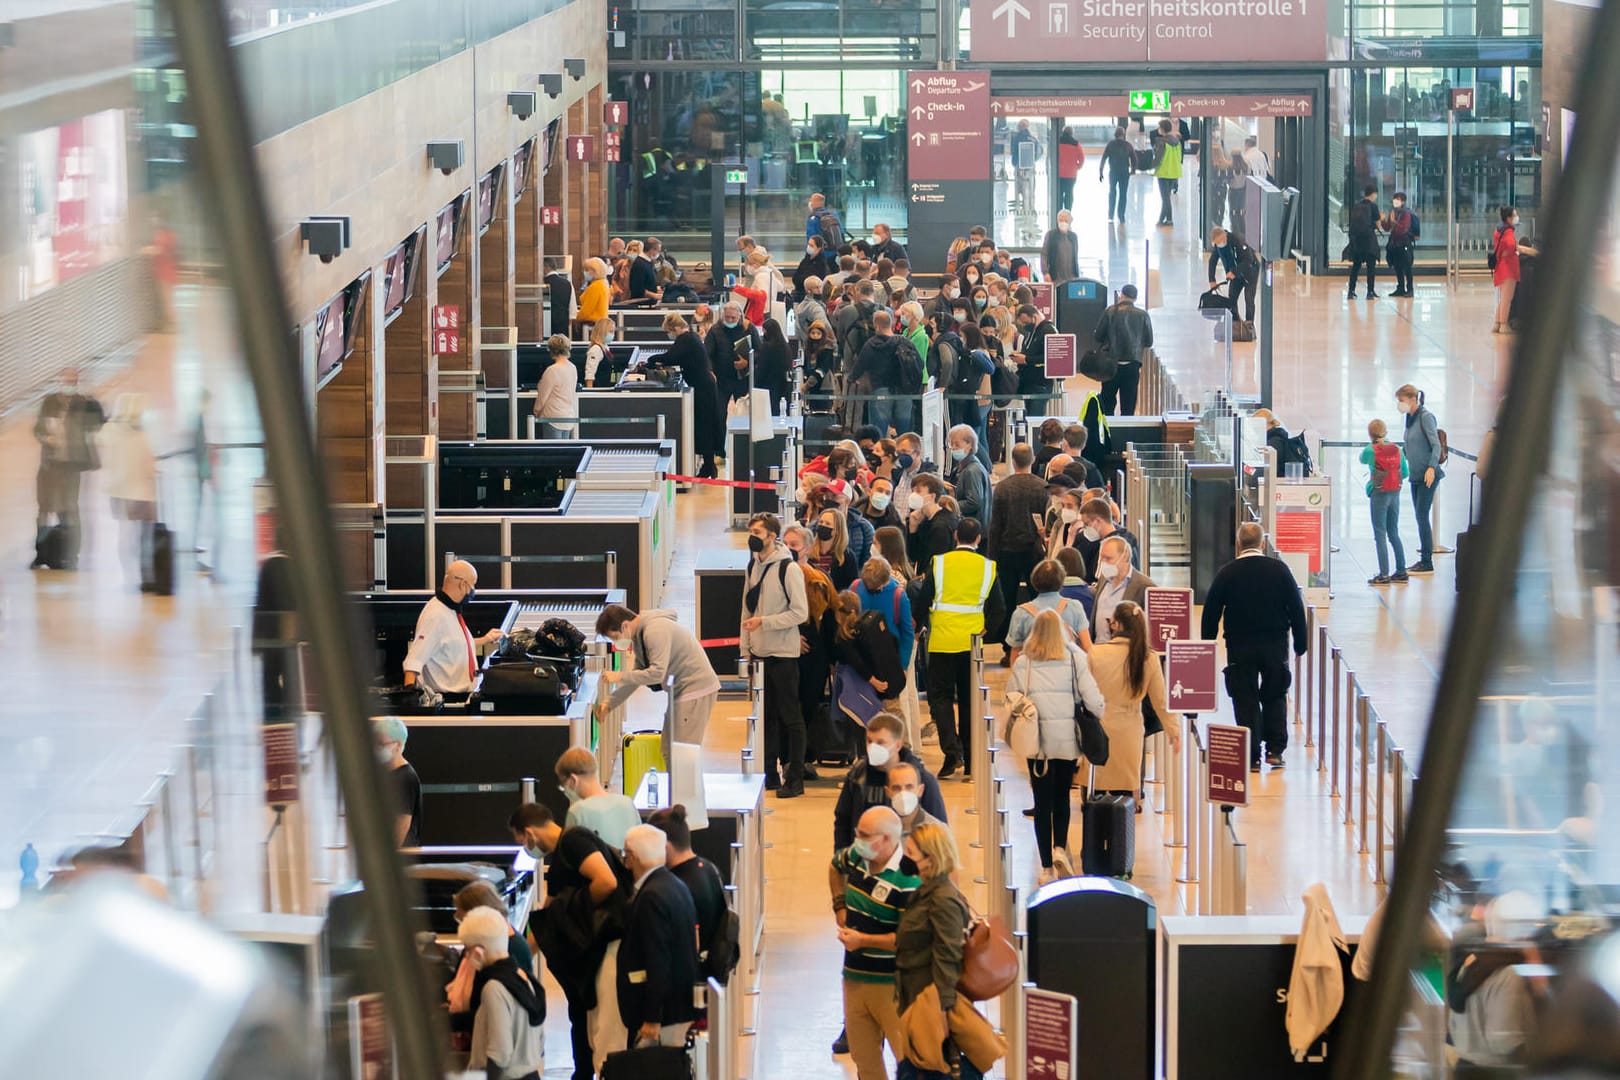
[(581, 614), (623, 461), (591, 503)]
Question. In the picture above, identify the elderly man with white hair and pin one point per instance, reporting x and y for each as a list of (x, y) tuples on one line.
[(508, 1041), (732, 345), (658, 957), (443, 656)]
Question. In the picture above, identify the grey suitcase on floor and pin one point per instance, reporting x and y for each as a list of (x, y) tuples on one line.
[(1108, 834)]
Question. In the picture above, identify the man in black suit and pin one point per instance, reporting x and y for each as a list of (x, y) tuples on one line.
[(658, 959), (1260, 601), (1030, 355)]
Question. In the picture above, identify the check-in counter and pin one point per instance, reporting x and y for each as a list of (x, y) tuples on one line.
[(720, 573), (767, 454), (1225, 998), (472, 766)]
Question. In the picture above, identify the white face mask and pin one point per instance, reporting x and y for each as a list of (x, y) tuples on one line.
[(624, 644), (1070, 516), (915, 501), (879, 501), (877, 755), (1063, 226), (1107, 571), (1090, 533), (904, 803), (1403, 406)]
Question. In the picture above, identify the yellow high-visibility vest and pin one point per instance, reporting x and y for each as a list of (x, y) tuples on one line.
[(962, 582)]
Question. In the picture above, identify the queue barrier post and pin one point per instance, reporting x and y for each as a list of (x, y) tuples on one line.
[(1190, 820), (1206, 839), (1175, 794), (1232, 866), (1398, 807), (1365, 739), (1322, 763), (976, 675), (526, 788), (1378, 802)]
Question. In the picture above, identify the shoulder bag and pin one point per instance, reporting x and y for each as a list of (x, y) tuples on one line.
[(989, 959), (1022, 732), (1088, 725)]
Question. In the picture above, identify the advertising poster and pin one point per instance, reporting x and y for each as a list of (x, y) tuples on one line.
[(73, 199), (1301, 534)]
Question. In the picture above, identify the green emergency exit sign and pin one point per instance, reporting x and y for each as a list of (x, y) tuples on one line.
[(1150, 101), (736, 176)]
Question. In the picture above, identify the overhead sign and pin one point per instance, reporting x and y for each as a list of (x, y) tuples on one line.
[(1125, 31), (948, 156), (1190, 676), (1169, 616), (615, 112), (1028, 105), (736, 176), (1150, 100), (1060, 356), (582, 148), (1226, 763), (1462, 97), (1294, 104), (1051, 1035), (551, 215)]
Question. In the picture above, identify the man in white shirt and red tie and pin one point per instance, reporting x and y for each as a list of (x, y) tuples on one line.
[(443, 656)]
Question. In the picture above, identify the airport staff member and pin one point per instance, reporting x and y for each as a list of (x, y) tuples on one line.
[(444, 655), (1258, 600)]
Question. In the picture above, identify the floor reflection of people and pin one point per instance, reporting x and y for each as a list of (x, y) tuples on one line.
[(130, 481)]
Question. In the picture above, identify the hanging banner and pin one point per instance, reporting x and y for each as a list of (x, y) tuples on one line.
[(1111, 105), (1288, 104), (1125, 31), (948, 184)]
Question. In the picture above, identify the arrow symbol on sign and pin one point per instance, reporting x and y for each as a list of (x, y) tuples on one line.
[(917, 111), (917, 86), (1012, 9), (917, 139), (995, 106)]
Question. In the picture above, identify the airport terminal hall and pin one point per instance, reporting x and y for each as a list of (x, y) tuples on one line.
[(810, 539)]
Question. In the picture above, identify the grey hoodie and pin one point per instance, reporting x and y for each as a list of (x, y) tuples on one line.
[(663, 648), (782, 605)]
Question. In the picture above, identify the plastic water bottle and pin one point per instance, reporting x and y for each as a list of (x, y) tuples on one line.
[(652, 790), (29, 865)]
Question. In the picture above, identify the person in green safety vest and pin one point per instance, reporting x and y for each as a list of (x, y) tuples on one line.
[(1166, 167)]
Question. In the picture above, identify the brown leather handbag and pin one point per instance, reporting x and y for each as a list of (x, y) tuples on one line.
[(989, 959)]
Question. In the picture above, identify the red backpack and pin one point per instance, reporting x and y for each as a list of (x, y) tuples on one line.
[(1386, 467)]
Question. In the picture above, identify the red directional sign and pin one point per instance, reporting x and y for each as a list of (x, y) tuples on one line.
[(612, 153), (1190, 675), (551, 215), (1123, 31), (1291, 104), (1462, 97), (1043, 300), (582, 148), (1029, 105), (948, 125), (1226, 759), (1169, 615), (615, 112)]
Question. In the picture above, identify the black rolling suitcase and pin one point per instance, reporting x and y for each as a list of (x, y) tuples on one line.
[(162, 559), (50, 549), (1108, 834)]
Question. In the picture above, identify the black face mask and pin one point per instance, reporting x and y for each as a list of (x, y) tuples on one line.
[(470, 594), (903, 460), (824, 532), (756, 544), (850, 473)]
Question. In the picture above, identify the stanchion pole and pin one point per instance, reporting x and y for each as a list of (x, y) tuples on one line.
[(1321, 693), (1323, 765), (1361, 823), (1378, 803), (977, 709), (1356, 719), (1175, 795), (1194, 804)]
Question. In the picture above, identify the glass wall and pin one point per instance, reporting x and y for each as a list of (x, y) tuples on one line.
[(1395, 138)]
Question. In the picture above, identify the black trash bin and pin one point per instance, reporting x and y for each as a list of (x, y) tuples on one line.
[(1080, 305), (1095, 938)]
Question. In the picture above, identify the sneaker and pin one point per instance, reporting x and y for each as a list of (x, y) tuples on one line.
[(810, 772), (1424, 567), (1399, 578), (930, 734), (1352, 294), (1274, 760), (948, 768), (1029, 811), (1062, 863), (1045, 877), (1381, 579), (841, 1044), (1372, 295), (791, 790)]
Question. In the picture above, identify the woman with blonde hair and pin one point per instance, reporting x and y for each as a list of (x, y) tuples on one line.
[(593, 298), (830, 552), (598, 362), (1127, 670), (1054, 675)]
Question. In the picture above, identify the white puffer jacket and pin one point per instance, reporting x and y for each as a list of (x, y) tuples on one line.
[(1051, 685)]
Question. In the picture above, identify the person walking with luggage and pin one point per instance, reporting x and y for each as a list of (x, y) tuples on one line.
[(1424, 450), (1119, 160), (131, 484), (774, 606), (1054, 675), (658, 956), (659, 649), (961, 597), (1404, 230), (1167, 169), (871, 884), (1230, 256), (1258, 601), (1060, 251), (1363, 246), (65, 429), (1016, 543), (929, 952), (1504, 260), (1386, 468), (1123, 332)]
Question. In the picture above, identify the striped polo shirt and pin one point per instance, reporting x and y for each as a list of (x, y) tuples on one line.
[(872, 905)]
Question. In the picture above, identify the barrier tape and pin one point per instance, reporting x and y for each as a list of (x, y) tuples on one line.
[(721, 483), (719, 642)]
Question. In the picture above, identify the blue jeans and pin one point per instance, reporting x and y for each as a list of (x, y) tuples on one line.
[(907, 1071), (894, 410), (1386, 520), (1422, 505)]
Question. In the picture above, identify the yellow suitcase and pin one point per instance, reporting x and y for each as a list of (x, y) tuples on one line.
[(642, 751)]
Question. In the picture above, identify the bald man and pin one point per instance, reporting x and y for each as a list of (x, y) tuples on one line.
[(444, 655)]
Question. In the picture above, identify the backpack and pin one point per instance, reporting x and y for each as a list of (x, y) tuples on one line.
[(1068, 631), (1294, 450), (818, 591), (830, 228), (1003, 385), (909, 366), (1022, 731), (1386, 467), (860, 332), (945, 371), (1445, 446), (1496, 242)]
